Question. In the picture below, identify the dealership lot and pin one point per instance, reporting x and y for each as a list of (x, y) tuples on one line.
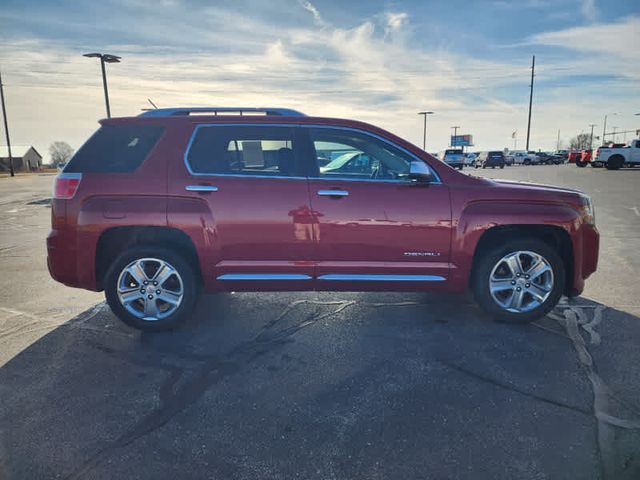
[(322, 385)]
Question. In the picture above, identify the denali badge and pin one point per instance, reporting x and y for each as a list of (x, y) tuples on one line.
[(421, 254)]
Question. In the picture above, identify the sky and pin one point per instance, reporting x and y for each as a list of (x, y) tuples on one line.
[(379, 62)]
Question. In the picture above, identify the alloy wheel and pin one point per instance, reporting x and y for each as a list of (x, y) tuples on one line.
[(521, 281), (150, 289)]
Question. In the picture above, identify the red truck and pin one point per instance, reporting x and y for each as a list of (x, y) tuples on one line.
[(154, 208), (584, 159)]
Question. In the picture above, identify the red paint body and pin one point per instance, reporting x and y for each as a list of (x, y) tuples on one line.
[(272, 225)]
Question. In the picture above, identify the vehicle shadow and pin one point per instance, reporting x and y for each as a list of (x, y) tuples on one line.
[(348, 385)]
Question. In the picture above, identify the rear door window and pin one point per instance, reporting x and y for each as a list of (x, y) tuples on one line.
[(115, 149), (243, 150)]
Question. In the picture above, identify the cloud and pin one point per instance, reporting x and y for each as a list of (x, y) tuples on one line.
[(317, 18), (607, 48), (589, 10), (370, 69), (396, 20)]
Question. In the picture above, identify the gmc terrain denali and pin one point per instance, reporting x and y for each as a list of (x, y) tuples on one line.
[(153, 208)]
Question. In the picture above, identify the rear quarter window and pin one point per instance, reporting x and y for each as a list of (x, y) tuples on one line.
[(115, 149)]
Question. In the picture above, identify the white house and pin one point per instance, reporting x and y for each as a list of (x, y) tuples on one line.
[(25, 158)]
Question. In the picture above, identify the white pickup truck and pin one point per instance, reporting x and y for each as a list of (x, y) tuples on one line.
[(615, 158)]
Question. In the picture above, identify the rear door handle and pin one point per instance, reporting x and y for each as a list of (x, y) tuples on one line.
[(333, 193), (201, 188)]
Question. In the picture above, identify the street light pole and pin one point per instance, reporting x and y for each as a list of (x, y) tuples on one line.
[(6, 128), (424, 130), (104, 85), (455, 133), (591, 137), (104, 58)]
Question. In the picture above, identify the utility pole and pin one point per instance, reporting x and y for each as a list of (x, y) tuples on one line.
[(6, 128), (424, 130), (533, 69), (604, 128), (591, 136), (558, 141)]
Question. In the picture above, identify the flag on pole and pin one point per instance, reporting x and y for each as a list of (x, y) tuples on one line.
[(513, 135)]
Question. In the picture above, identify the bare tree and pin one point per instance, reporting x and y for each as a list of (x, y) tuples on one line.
[(60, 152), (581, 141)]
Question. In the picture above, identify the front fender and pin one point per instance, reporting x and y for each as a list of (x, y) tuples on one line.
[(479, 217)]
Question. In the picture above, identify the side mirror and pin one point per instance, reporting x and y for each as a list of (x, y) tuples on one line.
[(420, 172)]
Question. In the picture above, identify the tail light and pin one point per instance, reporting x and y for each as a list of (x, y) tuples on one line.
[(66, 185), (597, 152)]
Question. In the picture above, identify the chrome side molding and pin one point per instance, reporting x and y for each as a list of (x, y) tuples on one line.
[(383, 278), (201, 188), (263, 276), (330, 277)]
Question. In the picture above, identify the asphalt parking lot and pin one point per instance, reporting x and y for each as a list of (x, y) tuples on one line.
[(322, 385)]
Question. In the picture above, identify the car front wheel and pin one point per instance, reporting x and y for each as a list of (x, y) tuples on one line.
[(151, 288), (519, 281)]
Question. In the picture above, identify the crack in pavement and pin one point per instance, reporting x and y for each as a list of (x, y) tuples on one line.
[(211, 371), (513, 388), (572, 319)]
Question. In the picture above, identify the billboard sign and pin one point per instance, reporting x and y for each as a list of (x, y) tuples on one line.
[(461, 140)]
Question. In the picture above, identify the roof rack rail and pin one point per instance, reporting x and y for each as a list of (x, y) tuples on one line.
[(185, 111)]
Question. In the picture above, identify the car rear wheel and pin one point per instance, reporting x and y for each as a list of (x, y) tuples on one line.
[(151, 288), (615, 162), (519, 281), (581, 164)]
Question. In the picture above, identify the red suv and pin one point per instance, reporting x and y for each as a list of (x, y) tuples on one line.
[(153, 208)]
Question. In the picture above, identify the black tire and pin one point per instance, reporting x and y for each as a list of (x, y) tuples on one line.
[(580, 164), (526, 162), (190, 287), (502, 166), (615, 162), (485, 264)]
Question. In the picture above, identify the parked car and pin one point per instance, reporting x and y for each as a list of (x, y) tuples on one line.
[(453, 157), (544, 158), (573, 156), (508, 159), (617, 156), (597, 162), (155, 208), (519, 157), (493, 159), (585, 158), (469, 159)]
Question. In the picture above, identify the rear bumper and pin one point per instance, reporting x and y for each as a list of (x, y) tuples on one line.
[(455, 164), (62, 260), (494, 163)]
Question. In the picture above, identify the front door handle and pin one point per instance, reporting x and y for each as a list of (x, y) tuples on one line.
[(333, 193), (201, 188)]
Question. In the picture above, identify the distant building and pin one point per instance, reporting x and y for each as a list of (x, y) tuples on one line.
[(25, 158)]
